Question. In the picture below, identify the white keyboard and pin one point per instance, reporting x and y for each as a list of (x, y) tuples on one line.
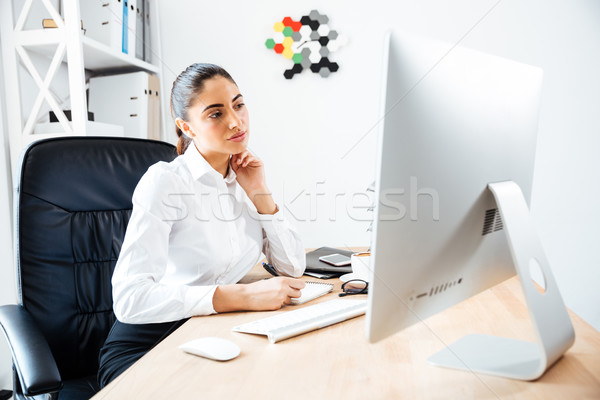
[(292, 323)]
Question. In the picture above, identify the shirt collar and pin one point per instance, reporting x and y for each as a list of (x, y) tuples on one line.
[(198, 165), (231, 176)]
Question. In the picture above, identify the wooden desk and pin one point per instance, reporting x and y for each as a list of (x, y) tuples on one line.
[(337, 362)]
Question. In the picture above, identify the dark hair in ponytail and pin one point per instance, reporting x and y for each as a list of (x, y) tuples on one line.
[(183, 142), (186, 88)]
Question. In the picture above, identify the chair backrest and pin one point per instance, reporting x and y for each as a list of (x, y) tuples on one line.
[(73, 206)]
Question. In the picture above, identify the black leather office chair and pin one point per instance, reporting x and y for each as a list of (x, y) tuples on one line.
[(73, 205)]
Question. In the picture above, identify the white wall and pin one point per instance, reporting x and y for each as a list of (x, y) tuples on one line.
[(302, 128)]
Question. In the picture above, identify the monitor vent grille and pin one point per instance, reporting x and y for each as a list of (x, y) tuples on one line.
[(492, 222), (437, 289)]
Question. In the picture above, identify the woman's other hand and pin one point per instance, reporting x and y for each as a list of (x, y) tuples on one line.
[(273, 293), (268, 294)]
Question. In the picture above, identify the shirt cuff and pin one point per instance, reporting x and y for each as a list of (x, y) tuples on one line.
[(202, 298), (272, 223)]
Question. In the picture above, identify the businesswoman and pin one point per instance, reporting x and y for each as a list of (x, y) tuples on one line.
[(199, 224)]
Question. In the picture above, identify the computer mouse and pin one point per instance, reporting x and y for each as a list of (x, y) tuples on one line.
[(214, 348)]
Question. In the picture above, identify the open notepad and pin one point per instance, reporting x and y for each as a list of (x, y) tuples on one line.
[(312, 290)]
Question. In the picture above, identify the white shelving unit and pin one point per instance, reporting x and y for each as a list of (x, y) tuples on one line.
[(64, 44)]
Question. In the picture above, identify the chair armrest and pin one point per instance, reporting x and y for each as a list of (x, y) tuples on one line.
[(32, 358)]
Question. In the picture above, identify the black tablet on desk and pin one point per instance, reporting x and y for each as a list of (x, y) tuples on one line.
[(313, 264)]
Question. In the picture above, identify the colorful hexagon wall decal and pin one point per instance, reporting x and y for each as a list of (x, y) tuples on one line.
[(308, 43)]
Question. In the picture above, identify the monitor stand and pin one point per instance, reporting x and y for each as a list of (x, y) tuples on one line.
[(512, 358)]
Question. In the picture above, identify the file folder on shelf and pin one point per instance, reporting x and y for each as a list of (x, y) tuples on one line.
[(131, 100), (103, 21), (131, 23), (154, 108), (125, 29), (147, 30), (122, 25), (139, 30)]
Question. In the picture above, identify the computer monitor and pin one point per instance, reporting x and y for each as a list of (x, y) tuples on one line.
[(455, 168)]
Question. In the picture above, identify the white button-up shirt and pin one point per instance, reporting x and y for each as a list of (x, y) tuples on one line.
[(190, 231)]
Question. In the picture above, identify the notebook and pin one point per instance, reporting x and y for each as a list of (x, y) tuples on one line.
[(312, 290)]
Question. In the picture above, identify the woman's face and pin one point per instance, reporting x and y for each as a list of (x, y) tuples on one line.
[(218, 119)]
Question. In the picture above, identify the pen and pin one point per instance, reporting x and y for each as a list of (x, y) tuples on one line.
[(270, 269)]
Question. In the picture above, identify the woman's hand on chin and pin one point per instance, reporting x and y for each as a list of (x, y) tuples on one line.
[(250, 171)]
